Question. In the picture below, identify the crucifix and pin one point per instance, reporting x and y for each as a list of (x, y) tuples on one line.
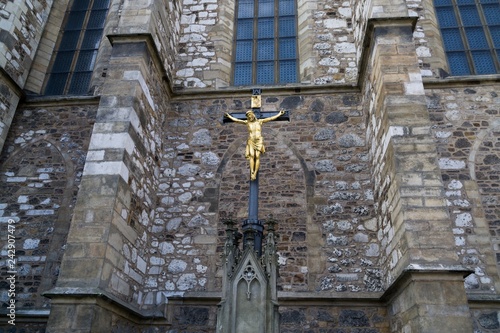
[(253, 119)]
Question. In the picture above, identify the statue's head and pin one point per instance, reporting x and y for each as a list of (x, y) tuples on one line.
[(250, 115)]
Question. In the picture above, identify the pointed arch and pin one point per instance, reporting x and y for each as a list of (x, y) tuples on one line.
[(37, 192), (286, 185)]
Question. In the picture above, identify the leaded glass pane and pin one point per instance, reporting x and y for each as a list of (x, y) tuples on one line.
[(245, 9), (63, 61), (97, 19), (286, 7), (458, 63), (75, 21), (266, 8), (287, 26), (69, 40), (492, 14), (80, 83), (452, 40), (265, 72), (470, 16), (56, 84), (80, 5), (245, 29), (478, 24), (244, 50), (265, 28), (287, 48), (86, 61), (483, 62), (446, 17), (92, 39), (495, 35), (257, 47), (265, 49), (100, 4), (243, 74), (476, 38), (288, 71), (69, 57), (442, 2)]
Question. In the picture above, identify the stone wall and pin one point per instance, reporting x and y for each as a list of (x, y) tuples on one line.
[(114, 212), (41, 169), (320, 319), (382, 192), (327, 237), (333, 43), (428, 40), (21, 26), (360, 16), (205, 44), (159, 20), (325, 41), (466, 129)]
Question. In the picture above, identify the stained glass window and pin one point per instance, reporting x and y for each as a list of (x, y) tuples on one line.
[(266, 42), (76, 55), (471, 35)]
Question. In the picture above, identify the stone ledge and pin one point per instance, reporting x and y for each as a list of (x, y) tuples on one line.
[(30, 316), (287, 298), (329, 299), (479, 300), (45, 101), (457, 81), (64, 295)]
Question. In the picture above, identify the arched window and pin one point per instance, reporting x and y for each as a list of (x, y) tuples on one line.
[(266, 42), (471, 35), (77, 51)]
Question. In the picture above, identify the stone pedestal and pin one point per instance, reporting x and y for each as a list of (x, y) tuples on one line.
[(249, 297)]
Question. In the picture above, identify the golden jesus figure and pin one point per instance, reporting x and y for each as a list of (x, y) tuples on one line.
[(255, 142)]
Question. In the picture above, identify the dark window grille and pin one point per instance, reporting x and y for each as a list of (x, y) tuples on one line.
[(266, 42), (471, 35), (76, 54)]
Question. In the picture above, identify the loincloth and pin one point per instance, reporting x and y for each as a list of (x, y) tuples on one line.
[(257, 144)]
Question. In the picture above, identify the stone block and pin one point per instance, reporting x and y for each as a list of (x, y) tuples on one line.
[(61, 317), (85, 272), (88, 233), (80, 321), (426, 214), (204, 239)]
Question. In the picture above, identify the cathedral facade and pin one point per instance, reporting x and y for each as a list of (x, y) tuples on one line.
[(118, 169)]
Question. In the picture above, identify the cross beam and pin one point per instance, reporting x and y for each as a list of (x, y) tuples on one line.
[(259, 115)]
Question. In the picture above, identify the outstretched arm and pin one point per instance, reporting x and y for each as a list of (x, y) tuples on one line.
[(236, 120), (280, 113)]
